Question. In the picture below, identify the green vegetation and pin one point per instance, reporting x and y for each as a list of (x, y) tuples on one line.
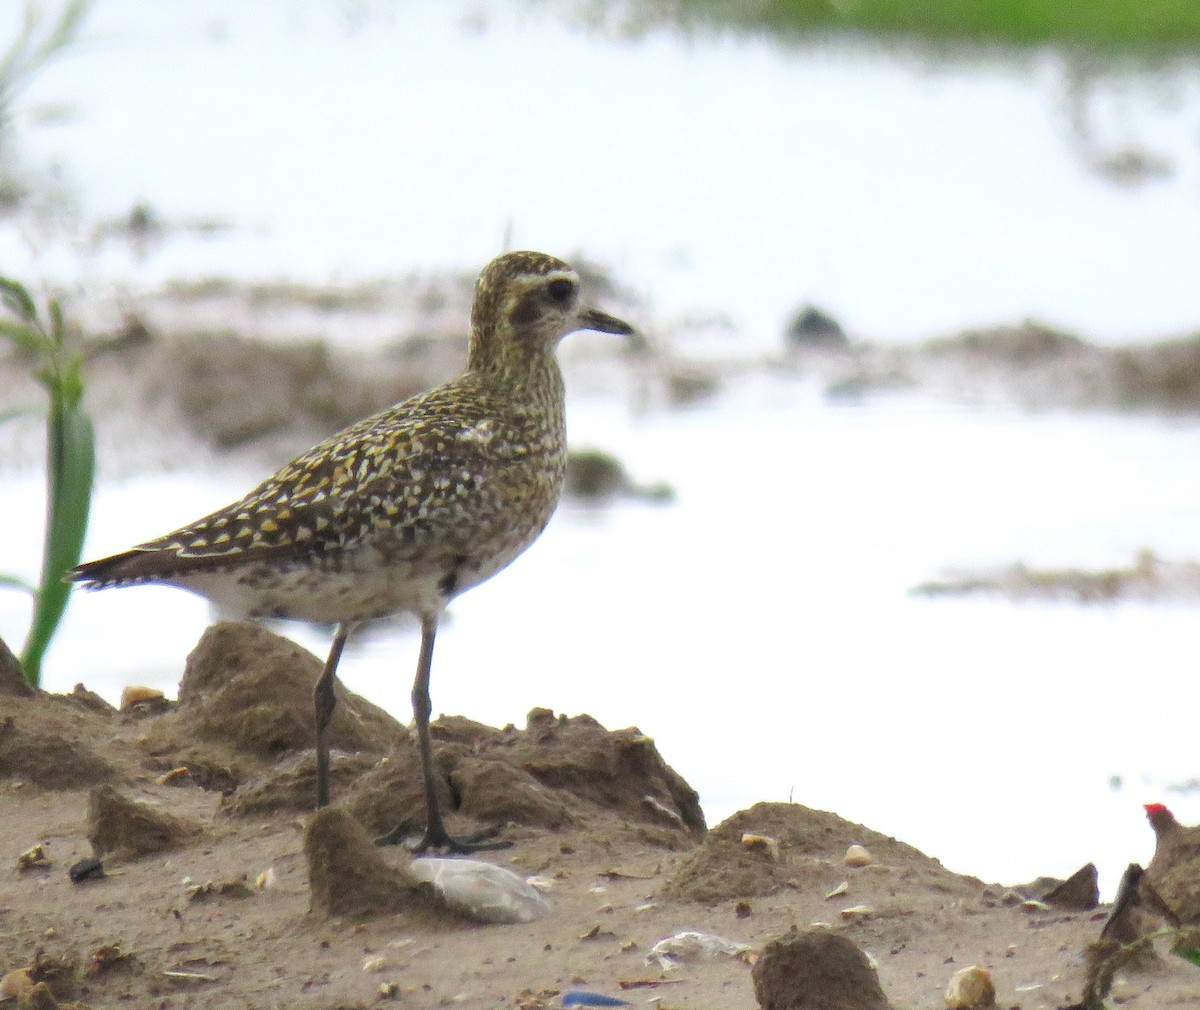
[(39, 41), (1113, 25), (47, 346)]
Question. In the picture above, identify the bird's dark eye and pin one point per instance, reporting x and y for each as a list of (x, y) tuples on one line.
[(561, 290)]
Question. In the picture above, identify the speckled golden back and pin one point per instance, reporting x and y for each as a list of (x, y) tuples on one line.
[(438, 491)]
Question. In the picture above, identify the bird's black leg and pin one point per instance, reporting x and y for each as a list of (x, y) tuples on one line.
[(324, 701), (436, 836)]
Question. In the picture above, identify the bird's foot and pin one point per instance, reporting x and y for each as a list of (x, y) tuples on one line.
[(438, 839)]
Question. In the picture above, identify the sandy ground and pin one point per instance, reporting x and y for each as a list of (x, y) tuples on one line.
[(621, 871)]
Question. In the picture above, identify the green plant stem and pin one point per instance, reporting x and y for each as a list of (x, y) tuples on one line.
[(71, 463)]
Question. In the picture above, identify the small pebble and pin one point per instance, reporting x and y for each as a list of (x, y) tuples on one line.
[(86, 869), (376, 963), (761, 843), (857, 912), (137, 695), (857, 855), (969, 988)]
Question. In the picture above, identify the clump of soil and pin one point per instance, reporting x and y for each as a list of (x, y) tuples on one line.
[(12, 677), (816, 970), (245, 702), (550, 775), (49, 741), (347, 876), (812, 847), (131, 828)]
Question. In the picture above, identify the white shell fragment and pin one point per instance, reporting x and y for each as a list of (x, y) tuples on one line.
[(857, 855), (692, 946), (969, 988), (837, 892), (857, 912), (481, 890)]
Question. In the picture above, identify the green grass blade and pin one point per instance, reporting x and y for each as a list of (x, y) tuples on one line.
[(72, 465), (16, 582), (1189, 954)]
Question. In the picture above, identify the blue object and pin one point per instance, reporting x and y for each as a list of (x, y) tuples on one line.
[(581, 997)]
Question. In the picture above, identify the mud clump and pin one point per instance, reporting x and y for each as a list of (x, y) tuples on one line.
[(615, 770), (12, 677), (248, 692), (292, 784), (812, 845), (128, 828), (816, 970), (549, 775), (47, 743), (347, 876)]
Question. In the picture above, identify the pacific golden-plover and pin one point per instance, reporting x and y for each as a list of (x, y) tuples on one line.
[(404, 510)]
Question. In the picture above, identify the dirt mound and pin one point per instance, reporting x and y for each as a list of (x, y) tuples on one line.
[(131, 828), (12, 677), (53, 742), (551, 774), (244, 726), (253, 690), (245, 702), (811, 848)]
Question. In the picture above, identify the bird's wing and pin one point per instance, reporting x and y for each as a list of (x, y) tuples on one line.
[(387, 470)]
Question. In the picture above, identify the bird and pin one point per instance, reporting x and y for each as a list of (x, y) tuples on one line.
[(402, 511), (1174, 870)]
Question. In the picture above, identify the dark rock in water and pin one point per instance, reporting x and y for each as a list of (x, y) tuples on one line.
[(12, 677), (816, 970), (251, 689), (812, 329), (594, 474), (348, 876), (127, 827), (1079, 892)]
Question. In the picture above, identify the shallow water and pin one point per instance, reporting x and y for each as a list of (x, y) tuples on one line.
[(762, 631), (732, 177)]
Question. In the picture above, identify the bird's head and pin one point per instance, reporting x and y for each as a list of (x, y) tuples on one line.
[(528, 300), (1159, 816)]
